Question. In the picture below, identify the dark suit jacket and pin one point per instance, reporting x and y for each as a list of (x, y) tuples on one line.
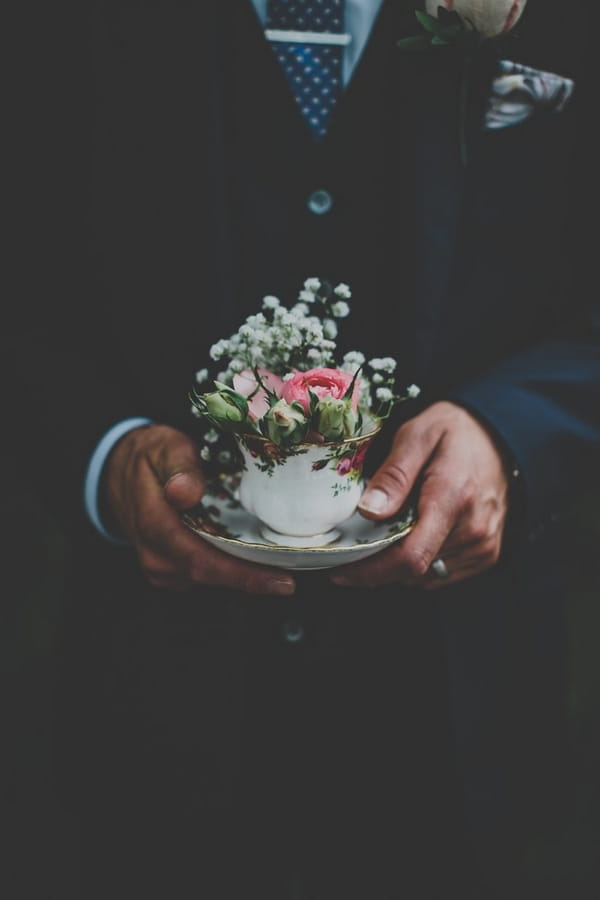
[(474, 277)]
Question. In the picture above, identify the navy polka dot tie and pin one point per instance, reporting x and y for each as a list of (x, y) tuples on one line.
[(308, 39)]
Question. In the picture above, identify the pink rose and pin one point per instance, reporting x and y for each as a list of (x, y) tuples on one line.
[(322, 382), (245, 384)]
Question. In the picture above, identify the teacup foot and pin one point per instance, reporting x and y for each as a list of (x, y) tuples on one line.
[(290, 540)]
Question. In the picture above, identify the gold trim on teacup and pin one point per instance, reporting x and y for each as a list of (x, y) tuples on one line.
[(355, 439), (326, 548)]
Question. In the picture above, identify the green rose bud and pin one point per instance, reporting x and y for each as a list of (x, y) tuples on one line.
[(285, 423), (335, 418), (227, 409)]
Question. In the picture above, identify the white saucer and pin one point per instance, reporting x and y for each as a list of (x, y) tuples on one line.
[(222, 521)]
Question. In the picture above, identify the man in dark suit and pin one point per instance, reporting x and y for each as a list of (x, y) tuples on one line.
[(393, 728)]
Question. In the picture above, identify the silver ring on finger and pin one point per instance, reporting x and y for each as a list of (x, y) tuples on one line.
[(439, 568)]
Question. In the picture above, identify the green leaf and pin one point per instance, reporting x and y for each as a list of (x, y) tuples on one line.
[(260, 385), (350, 388), (429, 23), (416, 42), (438, 41), (313, 401)]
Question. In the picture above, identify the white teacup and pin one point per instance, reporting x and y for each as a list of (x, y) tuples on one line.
[(302, 493)]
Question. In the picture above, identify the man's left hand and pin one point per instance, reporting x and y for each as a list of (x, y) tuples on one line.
[(462, 502)]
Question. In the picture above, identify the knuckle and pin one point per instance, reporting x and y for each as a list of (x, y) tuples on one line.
[(417, 561), (396, 478), (479, 534), (494, 552)]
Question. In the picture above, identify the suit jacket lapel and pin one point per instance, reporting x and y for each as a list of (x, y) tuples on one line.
[(439, 181), (422, 91)]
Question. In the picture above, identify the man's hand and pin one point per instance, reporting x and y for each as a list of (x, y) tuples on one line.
[(154, 474), (462, 503)]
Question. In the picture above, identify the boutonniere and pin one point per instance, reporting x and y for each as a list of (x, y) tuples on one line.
[(467, 27)]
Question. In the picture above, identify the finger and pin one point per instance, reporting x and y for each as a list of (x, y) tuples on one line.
[(457, 571), (438, 512), (471, 559), (171, 556), (198, 566), (392, 483), (179, 471), (432, 582), (410, 560), (184, 489)]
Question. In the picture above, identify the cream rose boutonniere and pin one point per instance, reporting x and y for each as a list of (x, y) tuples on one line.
[(465, 26)]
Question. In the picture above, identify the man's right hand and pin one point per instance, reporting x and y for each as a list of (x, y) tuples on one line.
[(152, 476)]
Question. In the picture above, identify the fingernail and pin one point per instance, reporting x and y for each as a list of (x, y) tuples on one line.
[(282, 586), (374, 501), (173, 476)]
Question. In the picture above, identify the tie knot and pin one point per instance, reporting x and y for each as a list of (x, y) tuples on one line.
[(306, 15)]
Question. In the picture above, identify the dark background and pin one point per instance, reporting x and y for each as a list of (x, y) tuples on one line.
[(40, 846)]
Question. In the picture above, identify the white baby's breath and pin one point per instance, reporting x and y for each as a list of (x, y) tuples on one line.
[(384, 394), (202, 376), (342, 290), (385, 364), (219, 350), (270, 302), (340, 309), (412, 391), (330, 329), (299, 310), (354, 358), (312, 284)]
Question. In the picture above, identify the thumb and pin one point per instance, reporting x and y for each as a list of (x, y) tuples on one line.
[(390, 486), (183, 481)]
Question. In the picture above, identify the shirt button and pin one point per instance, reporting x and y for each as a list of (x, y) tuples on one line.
[(320, 202), (292, 632)]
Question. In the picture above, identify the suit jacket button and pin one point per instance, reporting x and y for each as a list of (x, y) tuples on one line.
[(320, 202), (292, 631)]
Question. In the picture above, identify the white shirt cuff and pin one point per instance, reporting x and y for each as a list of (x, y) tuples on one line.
[(94, 472)]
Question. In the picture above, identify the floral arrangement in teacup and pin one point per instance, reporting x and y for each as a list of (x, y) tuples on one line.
[(285, 393), (283, 381)]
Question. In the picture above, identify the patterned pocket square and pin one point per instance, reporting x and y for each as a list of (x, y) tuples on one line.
[(520, 91)]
